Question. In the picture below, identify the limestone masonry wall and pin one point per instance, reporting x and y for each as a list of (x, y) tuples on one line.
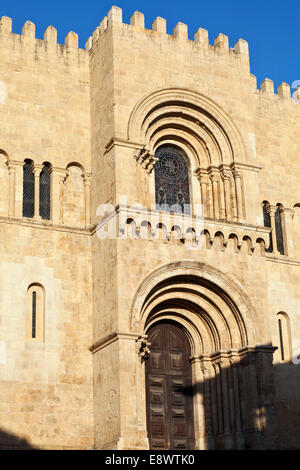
[(96, 117)]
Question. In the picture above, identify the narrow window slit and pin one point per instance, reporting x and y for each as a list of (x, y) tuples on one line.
[(281, 340), (34, 315)]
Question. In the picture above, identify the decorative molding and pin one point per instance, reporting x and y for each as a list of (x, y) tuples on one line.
[(111, 338), (115, 141)]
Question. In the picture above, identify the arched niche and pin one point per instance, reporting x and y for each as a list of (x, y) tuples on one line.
[(283, 337), (74, 196), (296, 231), (35, 329), (4, 177)]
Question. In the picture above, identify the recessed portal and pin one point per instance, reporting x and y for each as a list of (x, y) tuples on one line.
[(169, 389)]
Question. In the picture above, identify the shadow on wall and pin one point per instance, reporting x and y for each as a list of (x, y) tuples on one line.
[(247, 403), (243, 402), (12, 442), (287, 393)]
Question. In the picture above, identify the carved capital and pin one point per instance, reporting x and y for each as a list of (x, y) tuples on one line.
[(143, 348), (86, 179), (248, 359), (202, 176), (214, 177), (37, 169), (236, 174), (271, 209), (11, 168), (290, 213), (61, 174), (146, 159), (206, 368), (226, 175), (234, 362)]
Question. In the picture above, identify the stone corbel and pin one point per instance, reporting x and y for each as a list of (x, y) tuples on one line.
[(146, 159)]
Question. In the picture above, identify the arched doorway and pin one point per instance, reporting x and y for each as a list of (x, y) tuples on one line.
[(169, 389), (228, 357)]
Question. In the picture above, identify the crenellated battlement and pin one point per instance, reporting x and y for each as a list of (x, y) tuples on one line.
[(159, 27), (27, 41), (239, 51)]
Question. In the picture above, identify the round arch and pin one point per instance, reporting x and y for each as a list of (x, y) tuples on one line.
[(187, 108), (211, 306)]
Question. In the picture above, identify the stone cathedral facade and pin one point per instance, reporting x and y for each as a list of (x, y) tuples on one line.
[(150, 255)]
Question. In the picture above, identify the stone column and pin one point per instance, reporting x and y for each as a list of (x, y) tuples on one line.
[(87, 189), (18, 191), (266, 394), (233, 200), (250, 391), (210, 204), (224, 365), (219, 401), (222, 199), (37, 171), (12, 189), (215, 183), (142, 354), (240, 442), (271, 211), (198, 402), (209, 403), (204, 183), (62, 179), (226, 176), (239, 195)]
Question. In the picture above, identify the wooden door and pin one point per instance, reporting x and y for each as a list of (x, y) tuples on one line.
[(169, 389)]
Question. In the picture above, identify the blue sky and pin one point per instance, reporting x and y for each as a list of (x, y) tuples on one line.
[(272, 28)]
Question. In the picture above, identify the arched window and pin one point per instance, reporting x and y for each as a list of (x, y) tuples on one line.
[(279, 229), (28, 189), (45, 192), (284, 336), (35, 312), (172, 186), (267, 223)]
